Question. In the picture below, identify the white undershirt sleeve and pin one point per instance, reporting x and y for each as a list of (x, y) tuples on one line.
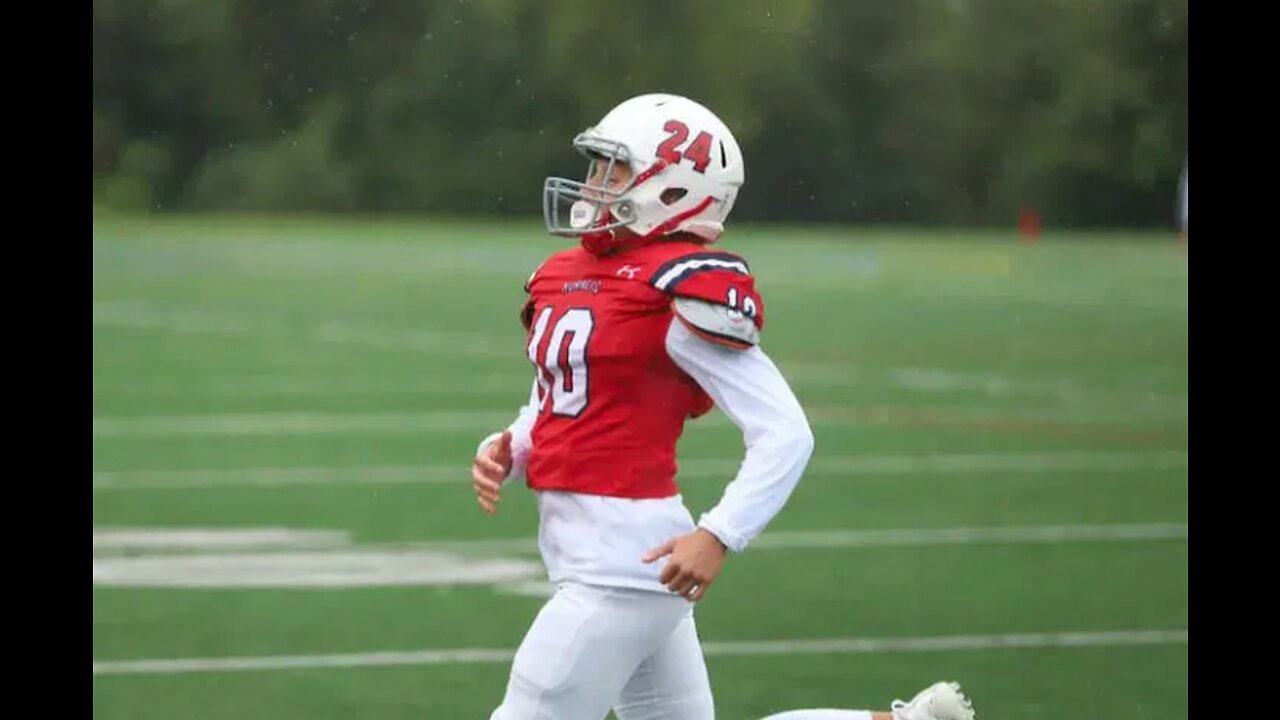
[(521, 436), (749, 389)]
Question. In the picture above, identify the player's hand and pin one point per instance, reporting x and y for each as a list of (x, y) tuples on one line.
[(489, 469), (696, 559)]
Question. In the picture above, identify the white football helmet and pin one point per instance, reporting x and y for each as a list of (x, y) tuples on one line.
[(672, 144)]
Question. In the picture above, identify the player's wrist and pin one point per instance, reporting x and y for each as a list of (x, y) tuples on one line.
[(485, 443), (724, 548)]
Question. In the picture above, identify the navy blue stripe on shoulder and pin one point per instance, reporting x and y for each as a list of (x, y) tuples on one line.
[(673, 272)]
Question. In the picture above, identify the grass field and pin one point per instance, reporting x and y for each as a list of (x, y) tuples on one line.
[(284, 414)]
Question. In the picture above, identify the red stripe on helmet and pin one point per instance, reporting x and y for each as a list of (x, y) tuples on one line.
[(672, 222)]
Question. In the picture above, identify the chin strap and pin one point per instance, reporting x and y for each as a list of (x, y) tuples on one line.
[(603, 243), (600, 242)]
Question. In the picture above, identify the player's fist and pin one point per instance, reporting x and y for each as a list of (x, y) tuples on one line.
[(489, 469), (696, 559)]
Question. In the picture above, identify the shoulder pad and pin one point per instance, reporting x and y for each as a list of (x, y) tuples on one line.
[(719, 278), (717, 323), (671, 275)]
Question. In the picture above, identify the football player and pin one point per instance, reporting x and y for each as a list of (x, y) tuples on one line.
[(639, 327)]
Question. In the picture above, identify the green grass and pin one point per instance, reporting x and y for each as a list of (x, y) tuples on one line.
[(396, 343)]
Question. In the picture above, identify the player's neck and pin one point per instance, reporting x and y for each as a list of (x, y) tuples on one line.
[(679, 237)]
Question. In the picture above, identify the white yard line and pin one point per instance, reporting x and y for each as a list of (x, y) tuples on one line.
[(308, 385), (901, 537), (269, 539), (391, 423), (806, 646), (299, 423), (711, 467), (187, 320), (109, 539), (809, 380), (1050, 534), (139, 314)]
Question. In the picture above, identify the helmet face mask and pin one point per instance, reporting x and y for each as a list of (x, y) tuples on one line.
[(574, 208), (685, 165)]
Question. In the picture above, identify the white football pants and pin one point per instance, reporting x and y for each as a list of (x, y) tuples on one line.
[(593, 648)]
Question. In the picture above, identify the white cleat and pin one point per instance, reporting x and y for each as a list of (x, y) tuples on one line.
[(940, 701)]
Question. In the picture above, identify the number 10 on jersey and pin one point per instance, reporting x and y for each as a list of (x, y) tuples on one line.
[(562, 366)]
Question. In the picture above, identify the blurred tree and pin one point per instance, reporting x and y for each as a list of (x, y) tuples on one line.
[(915, 111)]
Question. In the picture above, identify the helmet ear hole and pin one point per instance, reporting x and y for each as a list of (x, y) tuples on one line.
[(672, 195), (724, 161)]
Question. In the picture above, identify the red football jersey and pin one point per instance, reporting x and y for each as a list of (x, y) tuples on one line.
[(612, 404)]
